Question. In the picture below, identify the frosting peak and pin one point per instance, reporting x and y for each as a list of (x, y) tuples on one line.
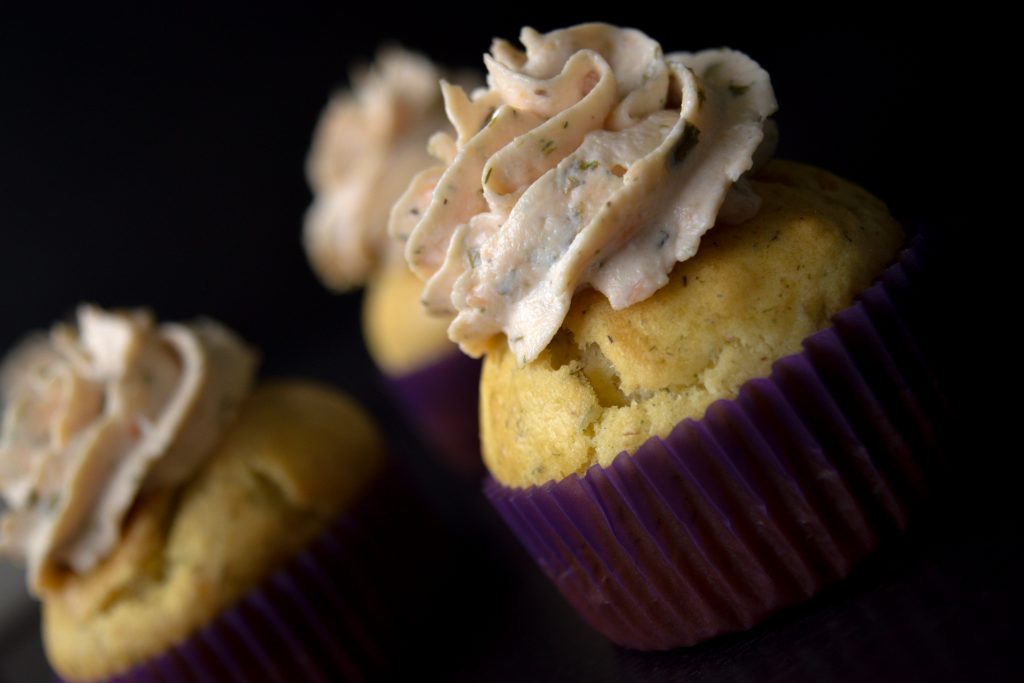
[(368, 144), (95, 415), (592, 159)]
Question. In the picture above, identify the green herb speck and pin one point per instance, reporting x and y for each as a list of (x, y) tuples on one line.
[(712, 71), (687, 141), (588, 165), (547, 146), (488, 176)]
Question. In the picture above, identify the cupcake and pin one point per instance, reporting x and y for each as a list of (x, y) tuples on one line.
[(368, 144), (696, 407), (176, 522)]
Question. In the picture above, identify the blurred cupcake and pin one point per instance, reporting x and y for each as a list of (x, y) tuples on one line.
[(175, 523), (673, 428), (368, 145)]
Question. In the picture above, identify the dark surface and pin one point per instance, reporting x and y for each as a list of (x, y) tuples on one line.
[(157, 159)]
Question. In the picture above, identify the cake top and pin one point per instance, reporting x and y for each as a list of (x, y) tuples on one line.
[(95, 414), (369, 143), (591, 160)]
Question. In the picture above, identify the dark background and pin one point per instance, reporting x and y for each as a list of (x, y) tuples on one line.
[(156, 158)]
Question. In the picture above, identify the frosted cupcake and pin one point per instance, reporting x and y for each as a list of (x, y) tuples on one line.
[(368, 144), (176, 523), (689, 422)]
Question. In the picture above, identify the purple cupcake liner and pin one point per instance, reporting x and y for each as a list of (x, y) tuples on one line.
[(441, 401), (329, 614), (762, 502)]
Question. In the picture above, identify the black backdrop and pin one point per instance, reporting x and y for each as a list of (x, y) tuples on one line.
[(156, 158)]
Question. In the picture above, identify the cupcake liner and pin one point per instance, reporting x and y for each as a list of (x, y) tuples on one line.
[(441, 400), (762, 502), (331, 613)]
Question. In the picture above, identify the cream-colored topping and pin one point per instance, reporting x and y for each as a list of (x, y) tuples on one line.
[(95, 415), (591, 160), (368, 145)]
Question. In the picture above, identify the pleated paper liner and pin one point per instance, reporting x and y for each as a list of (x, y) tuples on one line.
[(335, 612), (441, 401), (762, 502)]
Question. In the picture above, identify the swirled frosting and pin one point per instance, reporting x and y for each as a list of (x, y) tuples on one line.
[(369, 142), (592, 159), (96, 414)]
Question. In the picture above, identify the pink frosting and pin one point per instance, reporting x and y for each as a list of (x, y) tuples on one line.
[(592, 160), (95, 416)]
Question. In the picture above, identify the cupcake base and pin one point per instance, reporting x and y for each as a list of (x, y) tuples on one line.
[(763, 501), (334, 612), (441, 401)]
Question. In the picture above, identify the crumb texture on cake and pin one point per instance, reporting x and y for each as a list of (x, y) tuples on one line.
[(611, 379), (400, 335), (297, 455)]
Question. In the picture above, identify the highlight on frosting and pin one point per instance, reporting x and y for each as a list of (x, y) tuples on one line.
[(369, 143), (591, 159), (95, 415)]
